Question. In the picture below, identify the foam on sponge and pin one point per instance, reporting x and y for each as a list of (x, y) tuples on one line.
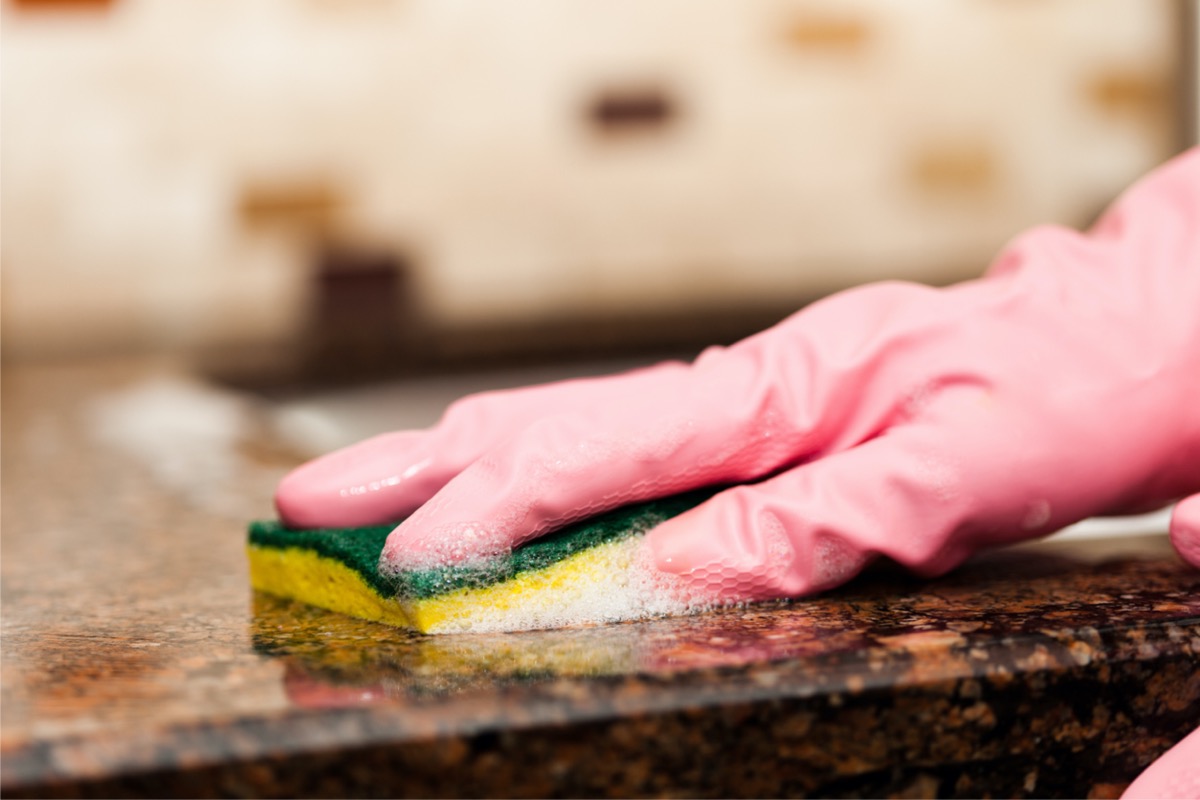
[(592, 571)]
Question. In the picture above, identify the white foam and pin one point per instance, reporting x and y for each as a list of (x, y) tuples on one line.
[(1153, 523), (618, 584)]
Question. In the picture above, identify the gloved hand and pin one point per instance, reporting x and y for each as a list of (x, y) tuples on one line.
[(921, 424)]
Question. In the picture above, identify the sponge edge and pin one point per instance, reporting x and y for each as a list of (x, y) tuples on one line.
[(606, 583), (302, 574), (595, 572)]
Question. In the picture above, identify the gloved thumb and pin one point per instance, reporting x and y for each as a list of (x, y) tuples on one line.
[(1185, 529)]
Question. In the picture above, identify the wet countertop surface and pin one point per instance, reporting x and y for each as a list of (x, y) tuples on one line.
[(137, 661)]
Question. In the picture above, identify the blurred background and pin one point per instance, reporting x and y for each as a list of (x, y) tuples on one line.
[(300, 192)]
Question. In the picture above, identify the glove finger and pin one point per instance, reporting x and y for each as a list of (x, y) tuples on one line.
[(926, 494), (385, 478), (814, 526), (1185, 529), (807, 380), (710, 426), (372, 482), (1176, 773)]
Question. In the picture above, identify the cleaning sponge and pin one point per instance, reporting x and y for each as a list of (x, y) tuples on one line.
[(588, 572)]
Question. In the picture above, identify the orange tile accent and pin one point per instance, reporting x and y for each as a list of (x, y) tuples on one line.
[(1129, 92), (309, 203), (828, 33), (955, 168), (62, 5)]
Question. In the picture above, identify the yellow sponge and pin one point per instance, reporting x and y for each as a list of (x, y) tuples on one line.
[(588, 572)]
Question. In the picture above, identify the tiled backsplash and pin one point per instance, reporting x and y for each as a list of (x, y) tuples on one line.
[(173, 172)]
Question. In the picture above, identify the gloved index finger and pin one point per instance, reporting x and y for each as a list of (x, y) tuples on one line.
[(383, 479), (373, 482), (733, 415), (704, 426)]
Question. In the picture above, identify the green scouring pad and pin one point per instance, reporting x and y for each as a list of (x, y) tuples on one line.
[(584, 572)]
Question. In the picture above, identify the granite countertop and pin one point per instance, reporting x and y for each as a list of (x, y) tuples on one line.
[(137, 661)]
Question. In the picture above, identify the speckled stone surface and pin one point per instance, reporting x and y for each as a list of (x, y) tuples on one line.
[(136, 661)]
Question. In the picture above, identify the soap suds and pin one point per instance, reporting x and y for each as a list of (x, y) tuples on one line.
[(834, 562), (1036, 515), (619, 583)]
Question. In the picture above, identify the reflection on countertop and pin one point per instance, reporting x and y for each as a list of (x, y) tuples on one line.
[(137, 661)]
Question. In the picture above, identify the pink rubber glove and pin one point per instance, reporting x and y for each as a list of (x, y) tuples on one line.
[(1174, 776), (916, 423)]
